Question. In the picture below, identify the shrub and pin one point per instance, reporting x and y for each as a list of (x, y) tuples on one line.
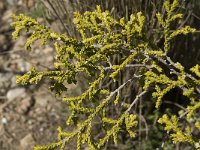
[(116, 54)]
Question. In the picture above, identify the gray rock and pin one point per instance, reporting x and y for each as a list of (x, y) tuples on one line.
[(4, 77), (7, 16), (23, 65), (11, 2), (15, 93), (19, 44), (25, 105), (13, 82), (27, 142), (43, 100), (5, 82), (17, 65)]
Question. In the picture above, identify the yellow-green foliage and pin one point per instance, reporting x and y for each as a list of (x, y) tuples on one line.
[(177, 134), (102, 38)]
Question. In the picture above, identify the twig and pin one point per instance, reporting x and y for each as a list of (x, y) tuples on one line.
[(60, 19), (168, 102), (171, 63), (136, 99), (129, 66), (146, 126), (174, 64)]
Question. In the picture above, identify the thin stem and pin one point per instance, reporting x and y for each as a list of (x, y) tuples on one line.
[(60, 19)]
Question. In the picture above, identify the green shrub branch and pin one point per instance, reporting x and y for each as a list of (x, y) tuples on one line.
[(102, 39)]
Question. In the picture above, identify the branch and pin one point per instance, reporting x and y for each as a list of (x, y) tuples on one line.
[(130, 65), (136, 99)]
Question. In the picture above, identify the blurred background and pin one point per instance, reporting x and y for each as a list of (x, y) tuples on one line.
[(30, 114)]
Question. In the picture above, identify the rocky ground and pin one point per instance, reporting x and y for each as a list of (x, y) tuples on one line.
[(28, 115)]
